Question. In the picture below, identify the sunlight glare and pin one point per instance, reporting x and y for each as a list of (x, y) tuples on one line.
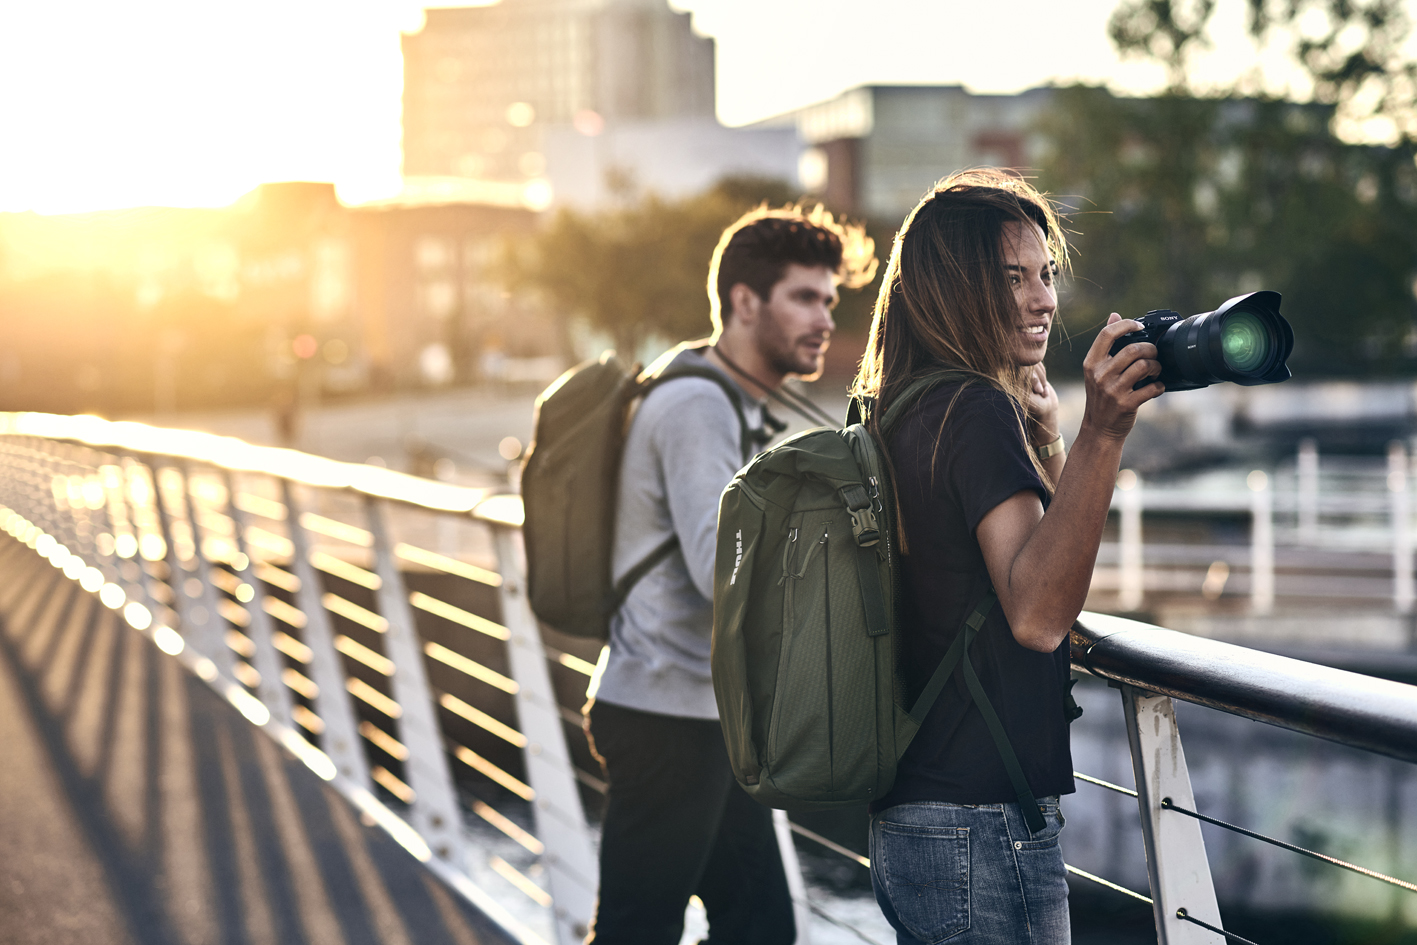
[(184, 104)]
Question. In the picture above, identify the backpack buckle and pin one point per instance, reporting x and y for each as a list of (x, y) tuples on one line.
[(864, 526)]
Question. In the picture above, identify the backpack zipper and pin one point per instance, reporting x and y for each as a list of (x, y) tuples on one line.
[(787, 569), (787, 558)]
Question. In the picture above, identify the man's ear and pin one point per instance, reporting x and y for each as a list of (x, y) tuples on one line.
[(745, 303)]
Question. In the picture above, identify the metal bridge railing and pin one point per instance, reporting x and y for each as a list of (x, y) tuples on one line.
[(411, 678), (1151, 666), (416, 680)]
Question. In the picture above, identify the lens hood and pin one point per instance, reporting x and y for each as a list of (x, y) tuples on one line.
[(1245, 341)]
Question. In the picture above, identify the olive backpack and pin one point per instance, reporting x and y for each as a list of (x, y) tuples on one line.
[(805, 636), (570, 480)]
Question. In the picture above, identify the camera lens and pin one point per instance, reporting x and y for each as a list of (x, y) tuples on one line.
[(1245, 342)]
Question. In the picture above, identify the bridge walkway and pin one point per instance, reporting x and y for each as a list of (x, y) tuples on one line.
[(139, 807)]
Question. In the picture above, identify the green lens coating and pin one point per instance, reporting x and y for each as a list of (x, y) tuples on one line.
[(1245, 342)]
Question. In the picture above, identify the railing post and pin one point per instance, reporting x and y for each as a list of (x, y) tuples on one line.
[(133, 470), (1307, 474), (435, 811), (796, 886), (340, 738), (1402, 587), (267, 662), (1261, 543), (62, 523), (213, 623), (1176, 862), (119, 521), (560, 820), (67, 516), (176, 572), (1132, 577)]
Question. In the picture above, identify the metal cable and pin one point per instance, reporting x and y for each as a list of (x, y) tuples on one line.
[(1107, 784), (1168, 804), (1185, 916), (834, 847), (1108, 883), (837, 922)]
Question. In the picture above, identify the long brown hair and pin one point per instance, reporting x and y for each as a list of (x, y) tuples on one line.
[(945, 299)]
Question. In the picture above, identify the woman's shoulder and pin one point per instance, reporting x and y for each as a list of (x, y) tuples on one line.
[(954, 417), (967, 402)]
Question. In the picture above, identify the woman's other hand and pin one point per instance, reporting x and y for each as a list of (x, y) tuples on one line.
[(1042, 408), (1111, 402)]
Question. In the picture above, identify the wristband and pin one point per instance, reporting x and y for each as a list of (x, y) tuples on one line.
[(1049, 450)]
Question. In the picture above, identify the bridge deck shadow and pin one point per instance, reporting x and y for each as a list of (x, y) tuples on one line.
[(139, 807)]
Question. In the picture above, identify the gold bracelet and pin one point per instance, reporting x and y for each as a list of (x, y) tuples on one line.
[(1049, 450)]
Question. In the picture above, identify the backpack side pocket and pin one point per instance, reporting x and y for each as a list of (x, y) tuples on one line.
[(734, 562)]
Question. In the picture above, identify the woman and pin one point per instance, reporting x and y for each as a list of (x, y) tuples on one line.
[(988, 498)]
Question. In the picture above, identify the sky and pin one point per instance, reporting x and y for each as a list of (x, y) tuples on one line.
[(192, 102)]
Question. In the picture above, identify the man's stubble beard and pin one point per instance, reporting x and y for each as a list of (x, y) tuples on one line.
[(781, 352)]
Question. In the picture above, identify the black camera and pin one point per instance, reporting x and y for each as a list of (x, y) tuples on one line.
[(1245, 341)]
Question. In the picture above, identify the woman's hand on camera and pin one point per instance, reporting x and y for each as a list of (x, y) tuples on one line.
[(1111, 402)]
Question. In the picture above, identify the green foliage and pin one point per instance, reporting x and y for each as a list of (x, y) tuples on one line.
[(1182, 203), (1163, 31), (1352, 53), (639, 269)]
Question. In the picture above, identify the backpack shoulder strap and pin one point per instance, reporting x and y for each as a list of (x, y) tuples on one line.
[(644, 566), (664, 549), (957, 654), (918, 388), (746, 439)]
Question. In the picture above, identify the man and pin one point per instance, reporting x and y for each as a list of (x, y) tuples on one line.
[(676, 824)]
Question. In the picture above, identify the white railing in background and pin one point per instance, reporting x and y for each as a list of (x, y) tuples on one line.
[(1133, 567)]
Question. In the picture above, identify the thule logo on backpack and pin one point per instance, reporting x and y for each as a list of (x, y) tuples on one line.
[(737, 557)]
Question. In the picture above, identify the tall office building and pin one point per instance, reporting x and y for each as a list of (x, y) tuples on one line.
[(481, 84)]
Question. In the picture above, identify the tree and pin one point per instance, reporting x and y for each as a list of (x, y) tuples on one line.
[(1183, 202), (639, 269), (1352, 54)]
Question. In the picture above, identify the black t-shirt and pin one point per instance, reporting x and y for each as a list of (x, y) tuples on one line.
[(947, 480)]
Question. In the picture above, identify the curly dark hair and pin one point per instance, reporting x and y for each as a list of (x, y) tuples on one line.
[(757, 249)]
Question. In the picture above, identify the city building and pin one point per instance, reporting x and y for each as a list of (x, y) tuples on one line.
[(480, 83), (284, 297), (674, 158), (875, 149), (432, 310), (574, 101)]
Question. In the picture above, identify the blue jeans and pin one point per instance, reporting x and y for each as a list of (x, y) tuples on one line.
[(970, 874)]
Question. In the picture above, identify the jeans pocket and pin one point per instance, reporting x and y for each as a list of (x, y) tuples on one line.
[(925, 873), (1047, 838)]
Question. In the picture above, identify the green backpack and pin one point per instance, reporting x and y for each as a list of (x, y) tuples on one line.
[(570, 480), (805, 635)]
